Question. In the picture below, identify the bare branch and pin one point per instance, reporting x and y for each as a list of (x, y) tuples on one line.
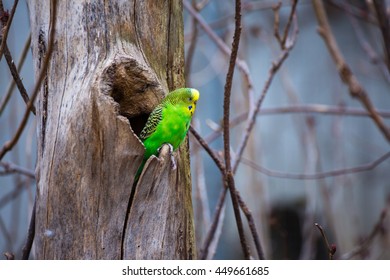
[(11, 87), (241, 64), (370, 238), (192, 45), (228, 176), (243, 67), (372, 55), (253, 113), (384, 23), (353, 10), (30, 235), (17, 78), (356, 90), (251, 120), (297, 109), (9, 256), (3, 37), (316, 176), (317, 109), (10, 144), (331, 248), (276, 9), (205, 252), (8, 56), (247, 7), (207, 148), (216, 219), (252, 227), (202, 214), (311, 164), (282, 40), (10, 168), (4, 200)]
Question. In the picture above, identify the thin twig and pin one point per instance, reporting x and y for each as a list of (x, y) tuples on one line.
[(205, 251), (247, 7), (30, 235), (4, 36), (356, 90), (363, 246), (311, 164), (10, 168), (192, 45), (11, 86), (228, 176), (252, 116), (251, 120), (297, 109), (7, 237), (214, 224), (4, 49), (201, 200), (241, 64), (316, 176), (315, 109), (276, 9), (17, 79), (330, 247), (217, 218), (289, 22), (384, 23), (282, 40), (207, 148), (212, 248), (353, 10), (252, 227), (11, 143), (9, 256), (253, 113), (372, 55), (7, 198)]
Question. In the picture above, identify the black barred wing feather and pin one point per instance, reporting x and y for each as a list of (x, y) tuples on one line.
[(151, 125)]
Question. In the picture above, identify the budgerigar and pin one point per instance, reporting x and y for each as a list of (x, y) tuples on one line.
[(168, 123)]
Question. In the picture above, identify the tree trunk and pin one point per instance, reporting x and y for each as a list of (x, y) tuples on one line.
[(113, 61)]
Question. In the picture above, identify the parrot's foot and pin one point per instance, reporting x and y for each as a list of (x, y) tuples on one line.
[(173, 161)]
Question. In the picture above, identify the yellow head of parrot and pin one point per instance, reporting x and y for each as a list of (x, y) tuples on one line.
[(193, 99), (195, 95)]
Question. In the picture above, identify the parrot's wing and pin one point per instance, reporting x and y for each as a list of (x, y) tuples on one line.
[(151, 125)]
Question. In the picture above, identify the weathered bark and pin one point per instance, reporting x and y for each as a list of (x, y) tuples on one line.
[(113, 61)]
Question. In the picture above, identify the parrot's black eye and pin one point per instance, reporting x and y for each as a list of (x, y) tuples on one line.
[(190, 99)]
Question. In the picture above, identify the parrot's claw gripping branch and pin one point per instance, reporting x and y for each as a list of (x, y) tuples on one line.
[(173, 161)]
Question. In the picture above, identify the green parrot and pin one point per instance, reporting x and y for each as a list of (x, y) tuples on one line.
[(168, 123)]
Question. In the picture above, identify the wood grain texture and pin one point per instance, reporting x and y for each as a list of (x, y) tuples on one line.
[(113, 61), (156, 228)]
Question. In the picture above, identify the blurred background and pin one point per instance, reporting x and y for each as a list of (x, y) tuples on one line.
[(313, 156)]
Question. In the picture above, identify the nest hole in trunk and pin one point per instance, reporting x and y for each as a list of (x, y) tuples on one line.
[(136, 89)]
